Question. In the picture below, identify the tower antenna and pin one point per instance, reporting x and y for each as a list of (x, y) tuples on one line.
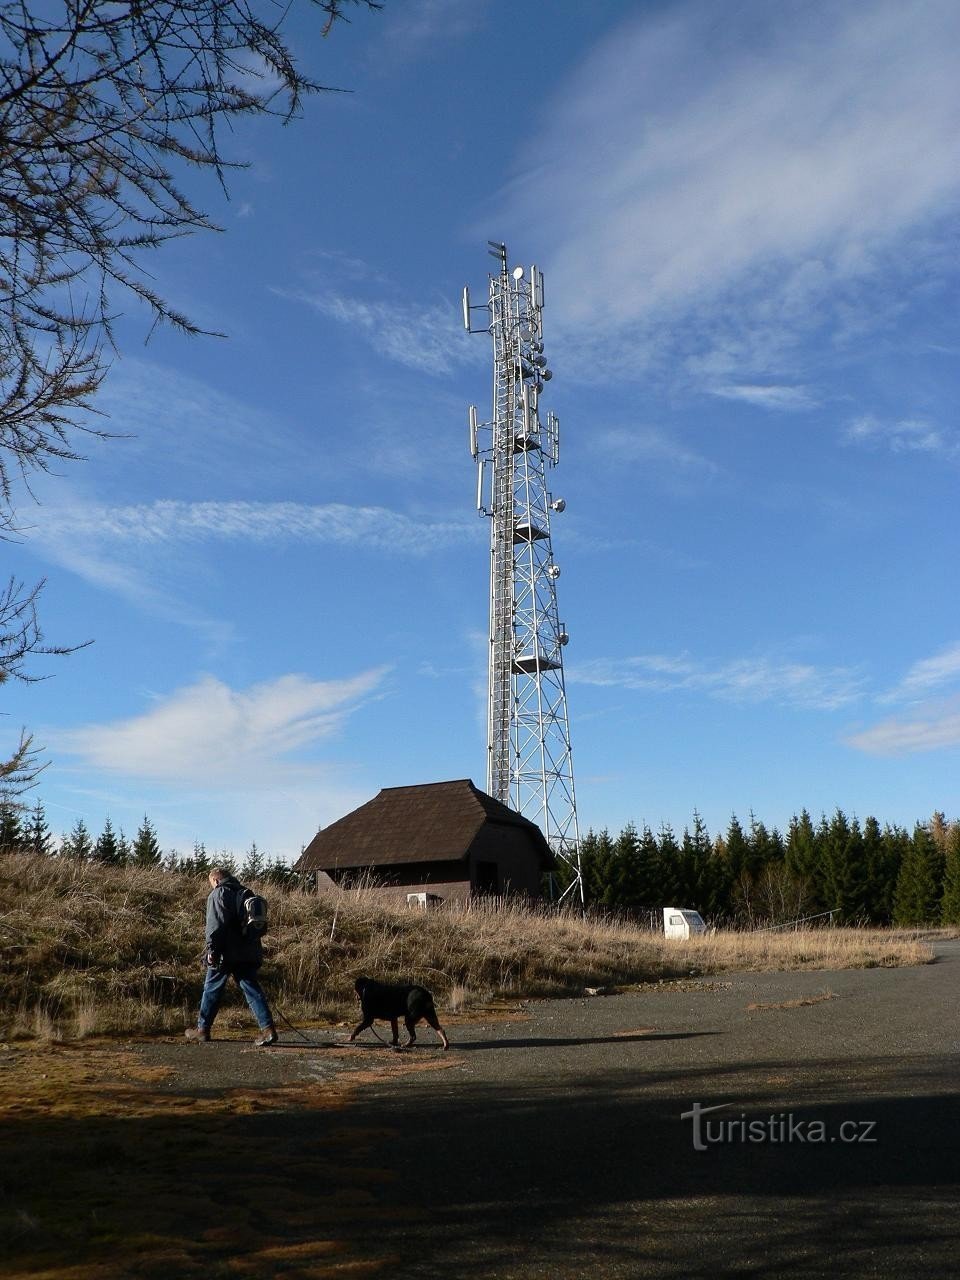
[(529, 761)]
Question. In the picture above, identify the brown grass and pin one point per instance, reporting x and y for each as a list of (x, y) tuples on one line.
[(91, 950)]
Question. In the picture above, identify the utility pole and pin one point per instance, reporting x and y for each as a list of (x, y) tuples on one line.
[(529, 761)]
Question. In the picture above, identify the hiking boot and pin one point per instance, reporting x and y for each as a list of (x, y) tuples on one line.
[(198, 1035), (267, 1037)]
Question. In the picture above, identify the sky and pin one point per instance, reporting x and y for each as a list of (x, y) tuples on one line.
[(746, 217)]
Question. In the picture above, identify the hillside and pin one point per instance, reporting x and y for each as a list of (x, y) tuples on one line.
[(92, 950)]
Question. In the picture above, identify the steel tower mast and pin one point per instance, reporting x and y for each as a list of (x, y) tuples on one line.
[(529, 761)]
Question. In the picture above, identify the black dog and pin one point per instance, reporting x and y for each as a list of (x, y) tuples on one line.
[(390, 1003)]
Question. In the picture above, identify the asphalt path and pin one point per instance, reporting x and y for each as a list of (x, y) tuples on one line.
[(579, 1139)]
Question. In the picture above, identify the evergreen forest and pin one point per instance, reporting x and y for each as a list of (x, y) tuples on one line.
[(836, 868)]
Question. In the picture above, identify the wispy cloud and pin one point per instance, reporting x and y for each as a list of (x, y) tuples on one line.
[(650, 445), (935, 728), (208, 732), (746, 680), (334, 523), (426, 27), (791, 399), (927, 675), (742, 179), (429, 339), (906, 435), (931, 690)]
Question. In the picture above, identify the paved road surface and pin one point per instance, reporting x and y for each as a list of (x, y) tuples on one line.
[(562, 1146)]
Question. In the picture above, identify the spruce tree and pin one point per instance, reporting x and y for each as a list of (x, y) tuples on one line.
[(845, 873), (253, 864), (801, 853), (200, 862), (38, 839), (627, 867), (919, 884), (107, 848), (950, 902), (11, 830), (651, 891), (670, 868), (145, 851), (77, 845), (696, 880), (873, 860)]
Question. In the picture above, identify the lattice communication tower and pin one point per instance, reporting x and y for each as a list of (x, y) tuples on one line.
[(529, 761)]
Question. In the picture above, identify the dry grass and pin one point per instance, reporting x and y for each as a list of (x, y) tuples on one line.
[(86, 949)]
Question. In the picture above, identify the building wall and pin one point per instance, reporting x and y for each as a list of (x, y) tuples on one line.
[(516, 857), (447, 880)]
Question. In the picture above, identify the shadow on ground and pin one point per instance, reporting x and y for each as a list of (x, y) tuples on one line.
[(589, 1177)]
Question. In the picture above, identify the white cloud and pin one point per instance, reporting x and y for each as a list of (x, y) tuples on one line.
[(167, 521), (934, 729), (928, 674), (209, 733), (746, 680), (791, 399), (706, 181), (906, 435), (425, 27), (650, 445), (428, 339)]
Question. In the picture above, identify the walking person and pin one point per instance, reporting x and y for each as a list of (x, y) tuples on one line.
[(233, 951)]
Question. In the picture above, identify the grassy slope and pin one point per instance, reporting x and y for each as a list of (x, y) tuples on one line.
[(85, 949)]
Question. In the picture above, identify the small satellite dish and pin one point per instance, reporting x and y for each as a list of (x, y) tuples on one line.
[(559, 505), (518, 273), (546, 375)]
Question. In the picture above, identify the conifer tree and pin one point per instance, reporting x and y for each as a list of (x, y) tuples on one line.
[(736, 850), (919, 884), (145, 851), (950, 902), (801, 854), (627, 867), (253, 864), (107, 848), (670, 869), (77, 845), (874, 866), (895, 845), (697, 867), (38, 839), (200, 863), (651, 892), (11, 830), (845, 876)]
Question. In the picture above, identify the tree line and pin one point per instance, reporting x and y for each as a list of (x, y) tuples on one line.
[(752, 874), (27, 831)]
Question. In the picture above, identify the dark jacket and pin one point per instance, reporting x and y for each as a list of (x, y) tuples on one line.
[(225, 937)]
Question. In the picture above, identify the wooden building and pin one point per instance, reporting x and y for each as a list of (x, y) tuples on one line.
[(445, 839)]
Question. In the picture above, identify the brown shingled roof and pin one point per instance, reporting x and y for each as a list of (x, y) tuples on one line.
[(433, 822)]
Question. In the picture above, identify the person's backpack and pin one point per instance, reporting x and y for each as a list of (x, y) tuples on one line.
[(252, 912)]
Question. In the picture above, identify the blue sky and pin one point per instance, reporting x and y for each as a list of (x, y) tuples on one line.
[(746, 218)]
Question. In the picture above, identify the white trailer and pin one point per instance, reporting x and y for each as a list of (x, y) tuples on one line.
[(681, 922)]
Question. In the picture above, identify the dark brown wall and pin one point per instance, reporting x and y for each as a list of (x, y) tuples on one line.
[(516, 856)]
